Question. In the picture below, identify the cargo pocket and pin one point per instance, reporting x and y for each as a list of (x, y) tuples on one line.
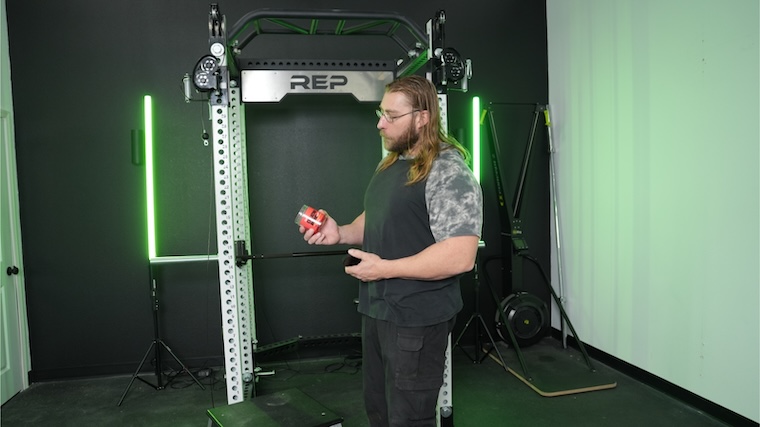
[(408, 361), (409, 374)]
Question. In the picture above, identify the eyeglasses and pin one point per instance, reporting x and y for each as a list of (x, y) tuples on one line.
[(391, 119)]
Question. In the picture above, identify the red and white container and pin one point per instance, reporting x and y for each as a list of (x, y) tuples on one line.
[(310, 218)]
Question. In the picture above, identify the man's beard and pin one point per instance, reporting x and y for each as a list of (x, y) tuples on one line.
[(403, 143)]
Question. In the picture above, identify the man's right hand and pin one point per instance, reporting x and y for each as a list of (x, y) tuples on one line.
[(328, 233)]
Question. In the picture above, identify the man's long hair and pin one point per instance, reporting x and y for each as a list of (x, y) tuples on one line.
[(422, 94)]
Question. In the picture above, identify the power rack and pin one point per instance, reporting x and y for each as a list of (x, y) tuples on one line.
[(227, 80)]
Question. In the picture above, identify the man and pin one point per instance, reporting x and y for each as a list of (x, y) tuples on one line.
[(419, 232)]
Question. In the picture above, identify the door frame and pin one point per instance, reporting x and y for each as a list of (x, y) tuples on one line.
[(15, 257)]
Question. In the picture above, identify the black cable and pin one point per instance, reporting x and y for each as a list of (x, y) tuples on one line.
[(351, 362), (211, 217)]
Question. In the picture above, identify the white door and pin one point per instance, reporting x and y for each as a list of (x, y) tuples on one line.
[(14, 336), (14, 346)]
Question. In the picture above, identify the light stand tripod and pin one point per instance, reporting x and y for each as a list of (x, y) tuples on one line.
[(478, 318), (156, 345)]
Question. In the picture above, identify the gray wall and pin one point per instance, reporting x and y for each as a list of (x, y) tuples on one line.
[(79, 71), (656, 112)]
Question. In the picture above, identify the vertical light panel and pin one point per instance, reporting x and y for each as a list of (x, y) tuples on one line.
[(476, 137), (148, 112)]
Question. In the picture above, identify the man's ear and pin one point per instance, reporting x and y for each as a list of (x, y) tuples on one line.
[(423, 118)]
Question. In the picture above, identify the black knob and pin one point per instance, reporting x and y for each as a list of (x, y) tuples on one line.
[(12, 270)]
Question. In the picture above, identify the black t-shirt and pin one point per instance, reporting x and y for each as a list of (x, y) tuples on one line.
[(403, 220)]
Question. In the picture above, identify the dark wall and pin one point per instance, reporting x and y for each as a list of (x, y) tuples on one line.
[(79, 72)]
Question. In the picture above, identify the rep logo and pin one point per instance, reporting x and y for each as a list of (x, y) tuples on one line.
[(317, 82)]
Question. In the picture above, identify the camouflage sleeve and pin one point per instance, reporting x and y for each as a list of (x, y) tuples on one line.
[(454, 198)]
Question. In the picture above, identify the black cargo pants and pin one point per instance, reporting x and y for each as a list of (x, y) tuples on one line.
[(402, 371)]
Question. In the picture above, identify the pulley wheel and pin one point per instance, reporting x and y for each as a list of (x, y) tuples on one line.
[(528, 318)]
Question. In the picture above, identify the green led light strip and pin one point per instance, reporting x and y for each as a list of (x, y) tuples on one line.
[(476, 137), (148, 111)]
